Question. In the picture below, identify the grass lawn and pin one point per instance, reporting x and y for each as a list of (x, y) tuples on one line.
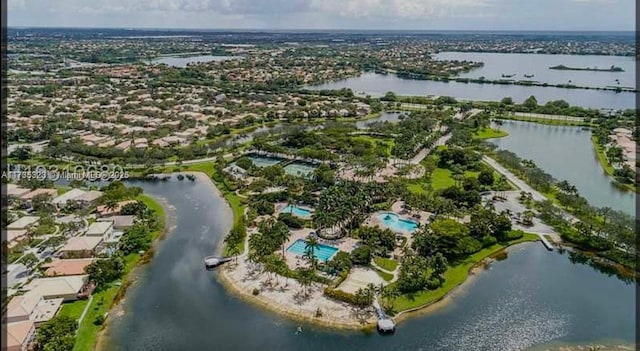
[(386, 263), (73, 309), (454, 276), (384, 275), (104, 299), (602, 156), (441, 178), (489, 133)]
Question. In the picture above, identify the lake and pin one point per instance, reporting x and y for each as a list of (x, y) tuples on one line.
[(497, 64), (531, 298), (183, 61), (384, 117), (574, 159), (377, 85)]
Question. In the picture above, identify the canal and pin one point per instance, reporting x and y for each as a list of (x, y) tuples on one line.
[(574, 159), (531, 298)]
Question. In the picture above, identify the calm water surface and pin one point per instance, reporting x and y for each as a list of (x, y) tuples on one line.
[(379, 84), (178, 61), (533, 297), (497, 64), (574, 159), (384, 117)]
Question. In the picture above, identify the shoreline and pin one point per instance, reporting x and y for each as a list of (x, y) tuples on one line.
[(608, 169), (128, 281)]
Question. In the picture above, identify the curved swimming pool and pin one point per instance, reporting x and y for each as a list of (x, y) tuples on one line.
[(397, 224)]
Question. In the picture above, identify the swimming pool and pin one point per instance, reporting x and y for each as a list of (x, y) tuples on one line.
[(322, 252), (297, 211), (397, 224)]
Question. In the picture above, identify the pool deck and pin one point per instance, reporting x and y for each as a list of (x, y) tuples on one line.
[(295, 261), (374, 221), (282, 205)]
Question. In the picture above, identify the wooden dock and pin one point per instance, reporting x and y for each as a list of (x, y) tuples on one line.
[(546, 242)]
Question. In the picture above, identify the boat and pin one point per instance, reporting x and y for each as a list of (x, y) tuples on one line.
[(215, 261), (529, 75)]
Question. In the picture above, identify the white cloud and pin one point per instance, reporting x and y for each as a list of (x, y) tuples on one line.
[(401, 9)]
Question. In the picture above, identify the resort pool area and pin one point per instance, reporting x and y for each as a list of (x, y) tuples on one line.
[(397, 224), (299, 169), (297, 211), (322, 252)]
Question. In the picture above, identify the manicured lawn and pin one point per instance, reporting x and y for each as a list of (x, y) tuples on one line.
[(73, 309), (386, 263), (442, 178), (454, 276), (489, 133), (384, 275), (602, 156)]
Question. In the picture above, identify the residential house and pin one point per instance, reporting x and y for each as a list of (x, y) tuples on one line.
[(119, 222), (100, 229), (80, 247), (19, 335), (30, 195), (33, 307), (14, 191), (89, 198), (24, 223), (67, 267), (62, 200), (15, 236), (65, 287)]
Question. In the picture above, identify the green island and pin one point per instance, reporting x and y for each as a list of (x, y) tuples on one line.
[(591, 69)]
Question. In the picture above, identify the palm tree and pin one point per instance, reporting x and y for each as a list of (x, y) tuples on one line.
[(234, 251), (110, 205), (310, 249)]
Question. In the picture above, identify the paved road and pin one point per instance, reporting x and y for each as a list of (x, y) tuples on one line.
[(537, 196), (513, 179)]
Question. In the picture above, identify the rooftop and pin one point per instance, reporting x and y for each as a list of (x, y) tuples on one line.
[(18, 333), (98, 228), (81, 243), (57, 286), (23, 222), (69, 195), (67, 267)]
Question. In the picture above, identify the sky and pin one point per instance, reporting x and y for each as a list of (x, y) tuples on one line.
[(593, 15)]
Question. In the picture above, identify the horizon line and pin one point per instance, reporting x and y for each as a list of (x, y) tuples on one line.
[(322, 29)]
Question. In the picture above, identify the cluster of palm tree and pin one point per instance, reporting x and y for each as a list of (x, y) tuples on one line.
[(345, 204), (272, 234)]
